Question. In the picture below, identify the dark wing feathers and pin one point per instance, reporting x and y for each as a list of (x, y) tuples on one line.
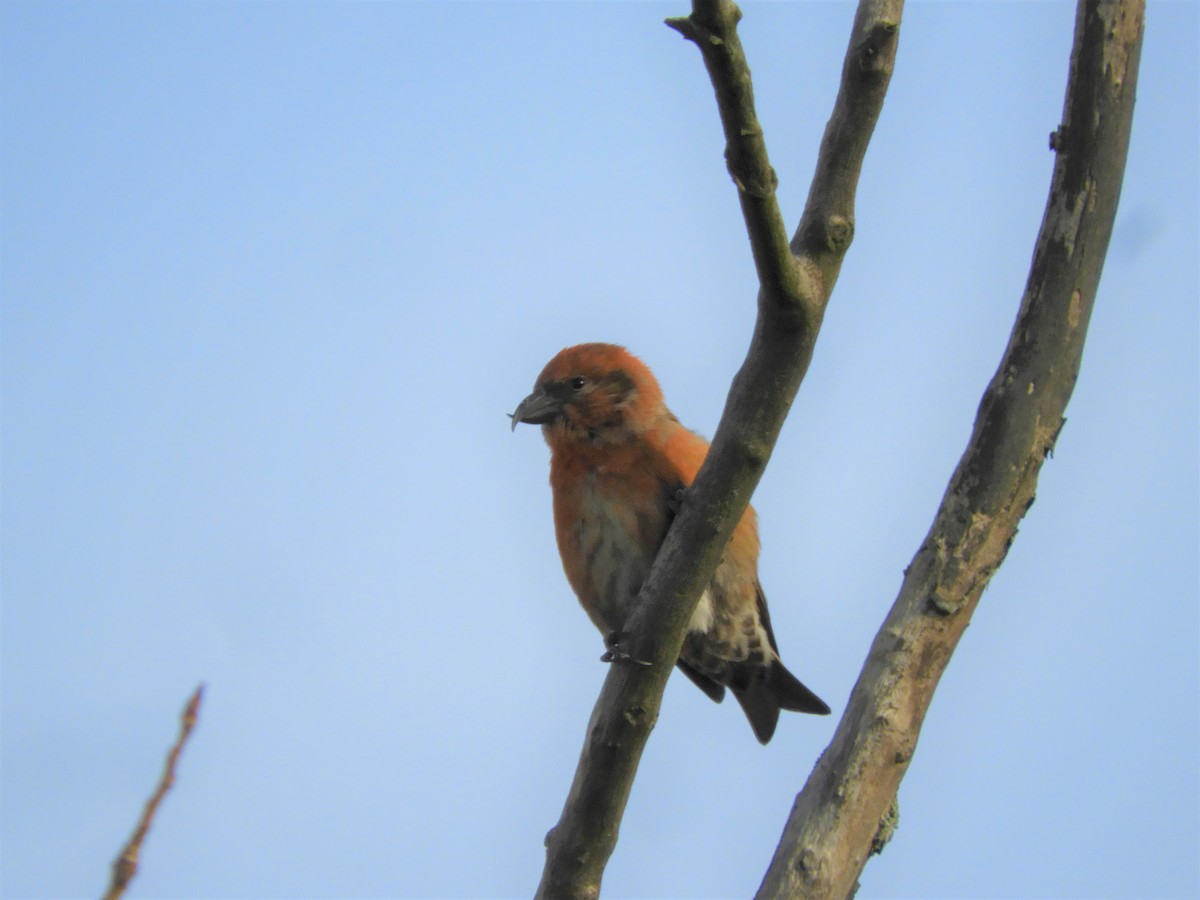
[(789, 693), (761, 691), (714, 690)]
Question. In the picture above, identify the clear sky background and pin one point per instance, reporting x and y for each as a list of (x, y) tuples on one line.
[(274, 273)]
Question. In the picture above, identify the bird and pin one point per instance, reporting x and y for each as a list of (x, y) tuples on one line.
[(619, 463)]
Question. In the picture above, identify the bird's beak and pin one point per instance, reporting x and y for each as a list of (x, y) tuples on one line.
[(536, 409)]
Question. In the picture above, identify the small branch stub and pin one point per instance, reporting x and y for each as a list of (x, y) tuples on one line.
[(880, 35)]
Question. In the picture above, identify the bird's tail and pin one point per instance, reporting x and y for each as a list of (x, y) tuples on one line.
[(780, 689)]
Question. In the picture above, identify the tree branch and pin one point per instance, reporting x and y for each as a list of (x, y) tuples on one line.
[(125, 865), (836, 818), (795, 288), (713, 28)]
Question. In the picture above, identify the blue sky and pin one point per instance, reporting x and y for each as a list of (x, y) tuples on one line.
[(272, 274)]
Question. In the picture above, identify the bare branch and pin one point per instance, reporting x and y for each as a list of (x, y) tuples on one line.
[(827, 224), (836, 818), (794, 292), (712, 27), (126, 864)]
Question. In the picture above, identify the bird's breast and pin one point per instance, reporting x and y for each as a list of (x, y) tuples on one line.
[(609, 530)]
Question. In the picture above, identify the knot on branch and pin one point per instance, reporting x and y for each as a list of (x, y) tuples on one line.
[(808, 865), (748, 175), (887, 827), (635, 715), (944, 604), (871, 56), (839, 232), (125, 867), (820, 234)]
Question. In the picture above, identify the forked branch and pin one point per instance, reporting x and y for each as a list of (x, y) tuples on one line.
[(796, 283)]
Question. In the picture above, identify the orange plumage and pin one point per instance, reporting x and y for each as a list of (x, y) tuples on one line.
[(618, 458)]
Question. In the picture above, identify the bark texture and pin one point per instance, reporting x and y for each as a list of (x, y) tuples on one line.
[(836, 821)]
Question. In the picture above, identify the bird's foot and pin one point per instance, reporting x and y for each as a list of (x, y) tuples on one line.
[(614, 653), (675, 501)]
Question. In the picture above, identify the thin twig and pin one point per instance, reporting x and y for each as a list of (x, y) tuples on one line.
[(126, 864)]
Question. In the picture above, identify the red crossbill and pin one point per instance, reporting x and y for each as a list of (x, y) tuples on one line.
[(619, 459)]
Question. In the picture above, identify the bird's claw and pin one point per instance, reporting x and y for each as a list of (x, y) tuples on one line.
[(675, 501), (615, 654)]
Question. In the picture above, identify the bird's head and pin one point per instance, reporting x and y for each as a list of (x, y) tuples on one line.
[(592, 394)]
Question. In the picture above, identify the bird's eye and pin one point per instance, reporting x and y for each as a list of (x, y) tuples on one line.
[(578, 382)]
